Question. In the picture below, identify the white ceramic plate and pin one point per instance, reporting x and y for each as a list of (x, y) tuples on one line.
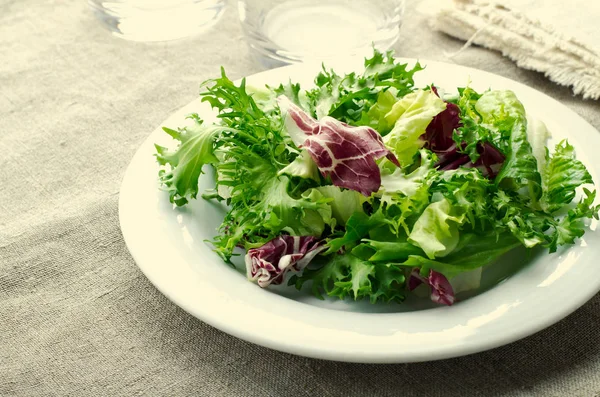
[(168, 246)]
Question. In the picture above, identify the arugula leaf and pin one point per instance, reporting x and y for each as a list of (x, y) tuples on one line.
[(475, 250)]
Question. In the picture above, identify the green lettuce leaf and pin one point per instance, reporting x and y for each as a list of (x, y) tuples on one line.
[(303, 166), (503, 111), (344, 203), (541, 223), (436, 231), (538, 134), (375, 116), (473, 251), (562, 175), (399, 182), (410, 116)]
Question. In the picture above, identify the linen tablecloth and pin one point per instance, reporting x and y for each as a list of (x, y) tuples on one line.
[(77, 317)]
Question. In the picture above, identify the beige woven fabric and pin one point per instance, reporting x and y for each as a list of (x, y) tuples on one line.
[(555, 37), (77, 318)]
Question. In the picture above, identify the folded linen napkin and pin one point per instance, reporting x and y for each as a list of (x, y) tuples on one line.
[(558, 38)]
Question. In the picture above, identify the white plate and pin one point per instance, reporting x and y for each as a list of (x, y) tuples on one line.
[(168, 246)]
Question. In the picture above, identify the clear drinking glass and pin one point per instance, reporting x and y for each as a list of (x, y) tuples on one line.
[(291, 31), (157, 20)]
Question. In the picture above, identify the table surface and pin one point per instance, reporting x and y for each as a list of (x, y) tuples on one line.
[(78, 318)]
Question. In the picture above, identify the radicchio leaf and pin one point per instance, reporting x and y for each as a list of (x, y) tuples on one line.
[(270, 263), (439, 139), (344, 153), (490, 160), (441, 289), (438, 135)]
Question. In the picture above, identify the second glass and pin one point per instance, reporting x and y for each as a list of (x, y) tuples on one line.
[(292, 31)]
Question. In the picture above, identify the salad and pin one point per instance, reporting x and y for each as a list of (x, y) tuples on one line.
[(367, 187)]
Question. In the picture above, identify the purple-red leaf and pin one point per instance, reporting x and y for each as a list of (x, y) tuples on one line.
[(439, 139), (438, 134), (269, 263), (441, 289), (344, 153), (490, 160)]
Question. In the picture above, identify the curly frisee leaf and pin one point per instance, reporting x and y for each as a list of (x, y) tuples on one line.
[(196, 149)]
